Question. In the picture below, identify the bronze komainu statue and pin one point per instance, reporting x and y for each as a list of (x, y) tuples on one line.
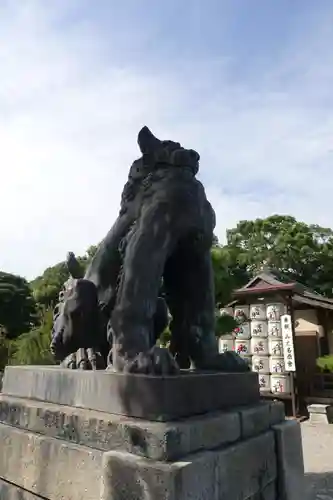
[(163, 234)]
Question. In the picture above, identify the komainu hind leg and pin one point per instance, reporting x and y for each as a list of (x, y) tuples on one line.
[(188, 280)]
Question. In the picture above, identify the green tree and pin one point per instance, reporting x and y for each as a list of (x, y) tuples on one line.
[(91, 252), (46, 287), (224, 324), (17, 306), (5, 348), (33, 347), (297, 250), (229, 274)]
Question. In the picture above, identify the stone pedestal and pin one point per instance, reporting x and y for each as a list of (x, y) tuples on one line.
[(320, 414), (74, 435)]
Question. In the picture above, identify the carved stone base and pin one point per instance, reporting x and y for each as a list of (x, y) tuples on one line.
[(54, 452)]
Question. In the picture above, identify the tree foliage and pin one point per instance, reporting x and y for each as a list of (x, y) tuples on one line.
[(228, 272), (46, 288), (301, 252), (33, 347), (17, 306), (5, 349), (224, 325), (325, 363)]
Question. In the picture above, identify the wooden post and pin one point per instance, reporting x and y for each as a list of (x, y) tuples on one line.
[(293, 385), (293, 395)]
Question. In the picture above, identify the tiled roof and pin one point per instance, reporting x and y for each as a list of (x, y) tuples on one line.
[(272, 279)]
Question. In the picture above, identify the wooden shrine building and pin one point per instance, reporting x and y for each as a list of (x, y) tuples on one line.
[(311, 317)]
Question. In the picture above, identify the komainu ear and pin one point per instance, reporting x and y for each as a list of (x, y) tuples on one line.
[(74, 267), (147, 141)]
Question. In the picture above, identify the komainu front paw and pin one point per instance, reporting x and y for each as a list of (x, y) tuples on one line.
[(156, 361), (84, 359), (228, 361)]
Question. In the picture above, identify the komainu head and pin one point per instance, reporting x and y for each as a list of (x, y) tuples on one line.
[(170, 153), (77, 325)]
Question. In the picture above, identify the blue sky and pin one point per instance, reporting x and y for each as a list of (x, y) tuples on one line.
[(246, 83)]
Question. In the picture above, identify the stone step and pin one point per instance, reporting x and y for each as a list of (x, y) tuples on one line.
[(156, 440), (48, 467), (56, 470), (9, 491)]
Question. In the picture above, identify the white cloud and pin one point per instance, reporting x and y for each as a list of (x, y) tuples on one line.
[(69, 118)]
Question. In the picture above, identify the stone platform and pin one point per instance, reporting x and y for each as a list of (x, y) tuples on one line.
[(142, 396), (58, 451)]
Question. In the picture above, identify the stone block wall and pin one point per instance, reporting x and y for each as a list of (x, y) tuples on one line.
[(59, 452)]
